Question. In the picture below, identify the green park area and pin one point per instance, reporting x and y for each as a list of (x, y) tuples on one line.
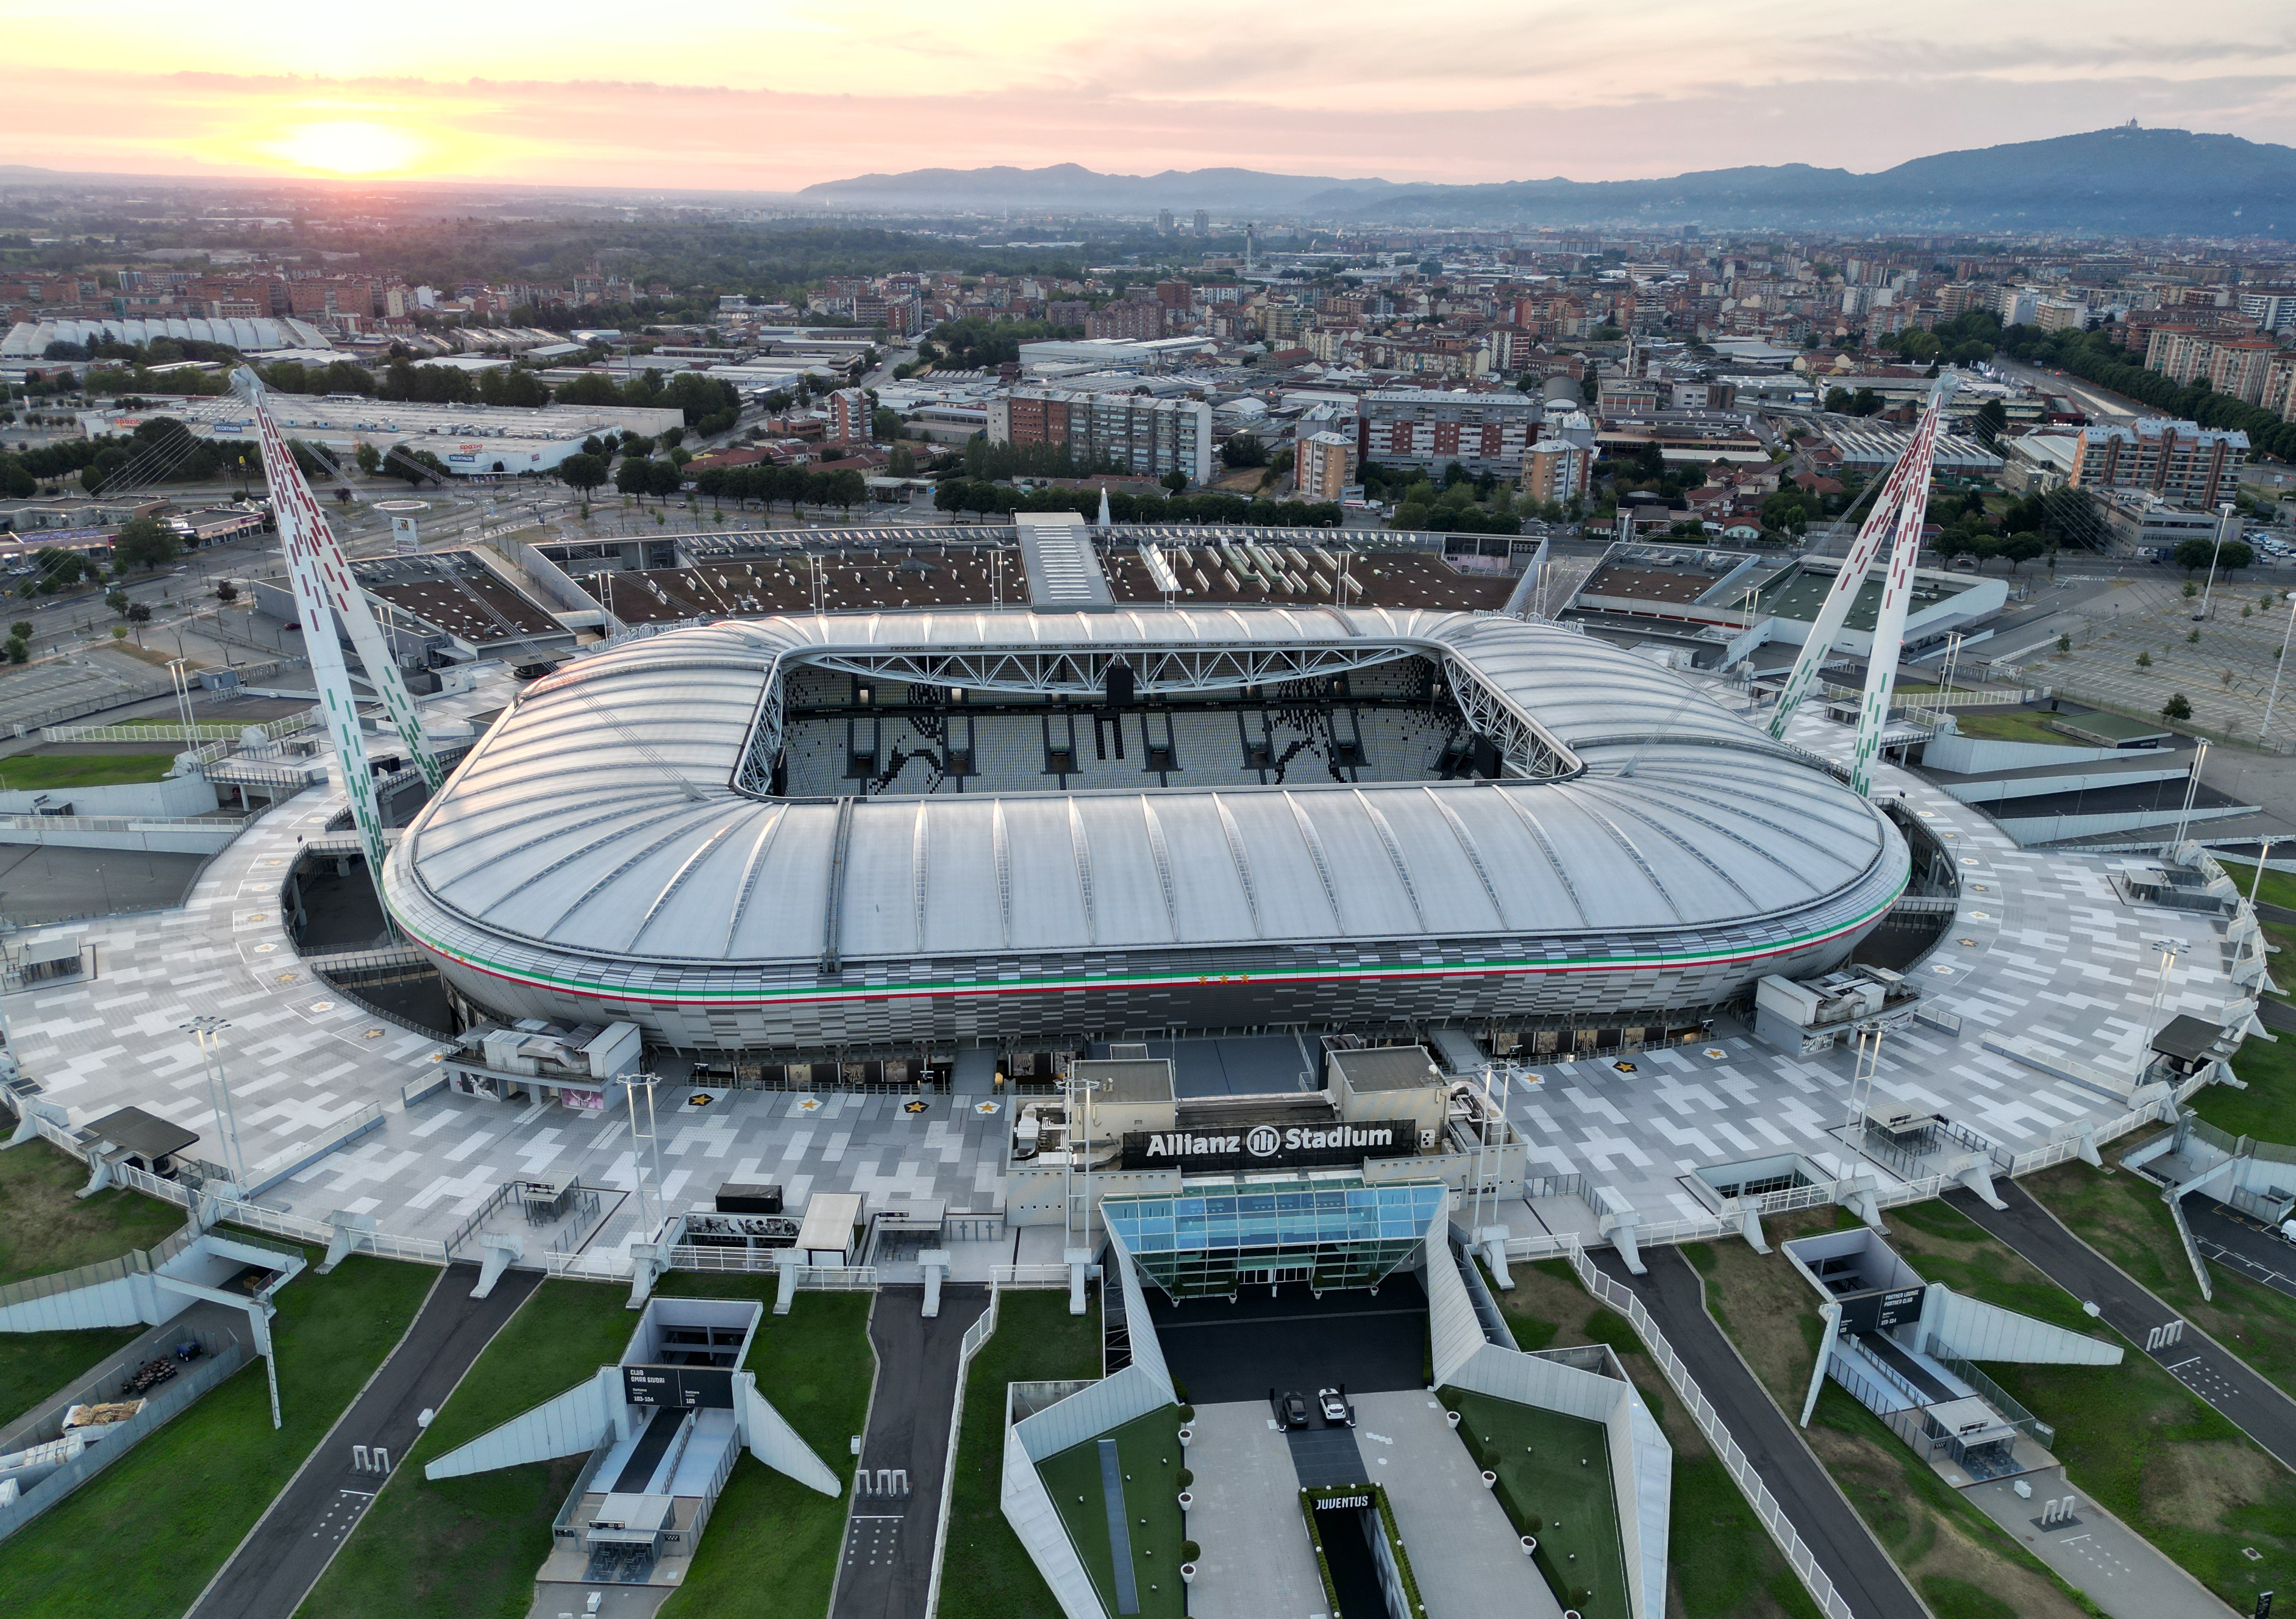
[(2131, 1436), (143, 1538), (1148, 1464), (1721, 1563), (472, 1546), (44, 1229), (46, 772), (2010, 725), (1554, 1483), (987, 1572)]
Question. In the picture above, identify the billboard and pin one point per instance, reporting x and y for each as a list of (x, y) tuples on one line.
[(1274, 1145), (679, 1387)]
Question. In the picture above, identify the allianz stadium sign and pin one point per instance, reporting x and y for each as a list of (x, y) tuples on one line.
[(1243, 1146)]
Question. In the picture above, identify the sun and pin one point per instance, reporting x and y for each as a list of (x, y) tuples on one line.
[(348, 147)]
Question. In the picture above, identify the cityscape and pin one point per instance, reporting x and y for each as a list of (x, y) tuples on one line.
[(827, 820)]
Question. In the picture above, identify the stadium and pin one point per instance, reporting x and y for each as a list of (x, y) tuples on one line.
[(857, 831)]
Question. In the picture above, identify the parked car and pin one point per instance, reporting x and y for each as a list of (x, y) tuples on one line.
[(1291, 1408), (1337, 1411)]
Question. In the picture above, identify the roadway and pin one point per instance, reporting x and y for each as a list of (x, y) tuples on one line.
[(283, 1556), (887, 1568), (1837, 1537), (2242, 1244), (2253, 1404)]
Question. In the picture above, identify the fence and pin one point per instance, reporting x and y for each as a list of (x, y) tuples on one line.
[(168, 730), (121, 1438), (976, 1339), (1798, 1556)]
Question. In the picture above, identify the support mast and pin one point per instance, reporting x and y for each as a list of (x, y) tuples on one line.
[(1834, 613), (323, 588)]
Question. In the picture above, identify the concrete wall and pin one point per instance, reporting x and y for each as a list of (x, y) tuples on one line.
[(1998, 792), (1982, 755), (772, 1442), (1147, 1350), (1642, 1461), (177, 795), (1108, 1403), (572, 1425), (1977, 1331), (1455, 1331), (153, 837)]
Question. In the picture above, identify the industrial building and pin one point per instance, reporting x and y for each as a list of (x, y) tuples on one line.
[(468, 440)]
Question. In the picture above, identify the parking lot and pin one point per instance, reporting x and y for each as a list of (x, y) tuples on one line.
[(2226, 675)]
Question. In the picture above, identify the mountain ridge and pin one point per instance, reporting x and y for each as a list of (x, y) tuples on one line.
[(2122, 179)]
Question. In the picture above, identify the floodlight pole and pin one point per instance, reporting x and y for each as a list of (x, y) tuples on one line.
[(2264, 733), (209, 1032), (652, 1153), (179, 671), (2191, 791), (2224, 520), (2169, 948)]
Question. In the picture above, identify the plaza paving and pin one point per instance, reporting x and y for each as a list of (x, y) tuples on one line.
[(2042, 947)]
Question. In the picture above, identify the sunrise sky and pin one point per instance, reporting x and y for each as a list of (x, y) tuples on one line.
[(773, 94)]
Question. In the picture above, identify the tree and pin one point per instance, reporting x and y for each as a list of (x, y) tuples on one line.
[(2178, 707), (1990, 419), (16, 649), (591, 388), (21, 630), (884, 422), (418, 466), (370, 459), (2065, 644), (1243, 449), (1174, 480), (584, 472), (139, 613), (663, 478), (118, 601), (2020, 549), (145, 542), (226, 592)]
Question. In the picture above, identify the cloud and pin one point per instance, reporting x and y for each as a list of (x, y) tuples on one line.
[(1585, 125)]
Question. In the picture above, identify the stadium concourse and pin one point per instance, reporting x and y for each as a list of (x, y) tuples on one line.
[(2041, 948)]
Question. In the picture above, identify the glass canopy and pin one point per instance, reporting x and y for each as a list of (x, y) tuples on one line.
[(1328, 1231)]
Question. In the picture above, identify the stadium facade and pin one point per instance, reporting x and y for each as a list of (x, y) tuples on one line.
[(866, 830)]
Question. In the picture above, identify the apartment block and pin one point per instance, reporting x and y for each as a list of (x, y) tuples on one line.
[(2181, 462), (1144, 436), (1556, 470), (1323, 465), (1430, 429)]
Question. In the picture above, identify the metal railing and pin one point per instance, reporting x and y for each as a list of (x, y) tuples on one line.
[(1798, 1555), (976, 1339), (2000, 1398), (166, 730)]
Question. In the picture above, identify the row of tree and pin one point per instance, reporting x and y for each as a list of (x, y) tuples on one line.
[(2094, 358)]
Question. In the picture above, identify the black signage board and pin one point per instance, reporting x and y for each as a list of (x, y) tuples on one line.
[(1881, 1309), (1272, 1146), (679, 1387)]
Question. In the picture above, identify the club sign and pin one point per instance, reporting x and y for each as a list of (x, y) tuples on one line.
[(1266, 1145)]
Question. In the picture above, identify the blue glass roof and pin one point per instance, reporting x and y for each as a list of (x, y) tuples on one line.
[(1273, 1215)]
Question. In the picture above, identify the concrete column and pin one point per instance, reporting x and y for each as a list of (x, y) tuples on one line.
[(1494, 1239), (1975, 1172), (936, 1262), (1829, 1329), (499, 1250), (1077, 1260), (787, 1260), (348, 1232)]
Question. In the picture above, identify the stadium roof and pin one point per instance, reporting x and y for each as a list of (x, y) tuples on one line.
[(29, 339), (597, 835)]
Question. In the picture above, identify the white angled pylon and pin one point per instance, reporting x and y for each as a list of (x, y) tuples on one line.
[(330, 572), (1834, 612), (1897, 594), (323, 588)]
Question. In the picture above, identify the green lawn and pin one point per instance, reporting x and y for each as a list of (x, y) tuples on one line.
[(772, 1546), (34, 1365), (2011, 725), (1720, 1561), (2279, 886), (1148, 1452), (2131, 1436), (45, 772), (2266, 1109), (472, 1546), (2122, 1216), (986, 1573), (1555, 1483), (44, 1229), (148, 1532)]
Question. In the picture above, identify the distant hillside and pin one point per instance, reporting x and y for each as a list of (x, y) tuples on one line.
[(2115, 181), (1069, 188)]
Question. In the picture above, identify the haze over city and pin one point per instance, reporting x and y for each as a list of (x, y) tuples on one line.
[(777, 96)]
